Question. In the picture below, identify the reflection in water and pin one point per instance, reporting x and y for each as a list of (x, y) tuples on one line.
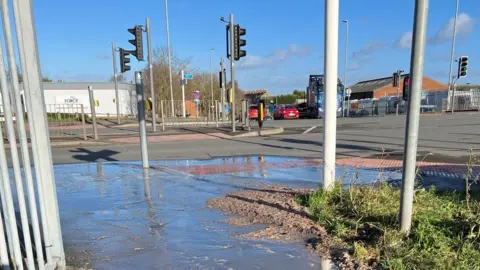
[(263, 166), (146, 182)]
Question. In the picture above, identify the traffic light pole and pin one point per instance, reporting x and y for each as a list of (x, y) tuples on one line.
[(223, 88), (413, 117), (182, 83), (115, 78), (232, 70), (150, 70), (330, 105), (399, 76)]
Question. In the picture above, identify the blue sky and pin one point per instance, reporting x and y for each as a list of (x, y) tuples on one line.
[(284, 37)]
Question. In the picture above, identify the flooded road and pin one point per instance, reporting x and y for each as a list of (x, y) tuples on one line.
[(116, 216)]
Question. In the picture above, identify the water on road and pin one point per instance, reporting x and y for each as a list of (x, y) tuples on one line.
[(116, 216)]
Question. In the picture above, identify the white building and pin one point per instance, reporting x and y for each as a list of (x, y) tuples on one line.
[(62, 95)]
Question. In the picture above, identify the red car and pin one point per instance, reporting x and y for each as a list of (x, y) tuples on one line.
[(253, 112), (286, 112)]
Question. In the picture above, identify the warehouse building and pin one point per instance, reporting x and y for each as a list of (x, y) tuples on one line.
[(382, 87), (66, 95)]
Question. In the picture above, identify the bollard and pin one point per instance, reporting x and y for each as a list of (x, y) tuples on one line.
[(163, 117), (216, 112), (141, 118), (83, 123), (92, 111), (260, 115)]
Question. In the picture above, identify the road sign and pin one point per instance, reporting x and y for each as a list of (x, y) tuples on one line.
[(187, 76), (349, 92), (196, 94)]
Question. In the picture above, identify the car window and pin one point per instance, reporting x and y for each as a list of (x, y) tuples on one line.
[(289, 107), (254, 107)]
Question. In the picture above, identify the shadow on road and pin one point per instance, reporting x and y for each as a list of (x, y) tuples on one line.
[(92, 156)]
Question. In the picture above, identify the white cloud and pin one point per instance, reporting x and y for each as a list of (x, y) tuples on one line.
[(465, 25), (365, 53), (274, 58), (405, 41)]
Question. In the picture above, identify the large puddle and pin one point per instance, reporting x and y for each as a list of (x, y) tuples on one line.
[(115, 216)]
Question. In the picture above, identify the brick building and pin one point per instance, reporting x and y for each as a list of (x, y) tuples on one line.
[(382, 87)]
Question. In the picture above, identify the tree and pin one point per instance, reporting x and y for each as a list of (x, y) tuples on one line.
[(201, 81), (120, 77), (46, 79)]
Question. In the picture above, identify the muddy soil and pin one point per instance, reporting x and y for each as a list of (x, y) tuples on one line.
[(285, 221)]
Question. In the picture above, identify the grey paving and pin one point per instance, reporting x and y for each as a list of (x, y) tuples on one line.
[(448, 137)]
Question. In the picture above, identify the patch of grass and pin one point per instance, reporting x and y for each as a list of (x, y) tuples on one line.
[(445, 231)]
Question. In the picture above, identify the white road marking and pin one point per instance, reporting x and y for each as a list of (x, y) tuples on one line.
[(310, 129)]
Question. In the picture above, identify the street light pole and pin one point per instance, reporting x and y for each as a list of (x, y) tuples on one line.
[(452, 56), (345, 66), (211, 79), (169, 59), (115, 78), (330, 104), (413, 116)]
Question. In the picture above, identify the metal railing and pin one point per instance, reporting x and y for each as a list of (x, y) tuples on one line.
[(197, 113), (66, 120)]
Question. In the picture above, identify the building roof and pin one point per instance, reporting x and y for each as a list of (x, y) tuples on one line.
[(84, 86), (259, 92), (372, 85), (428, 84)]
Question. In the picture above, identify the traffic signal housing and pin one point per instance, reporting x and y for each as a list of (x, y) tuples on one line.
[(238, 32), (137, 32), (396, 79), (462, 66), (406, 87), (124, 60)]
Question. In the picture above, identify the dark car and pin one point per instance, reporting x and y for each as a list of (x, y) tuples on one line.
[(302, 109)]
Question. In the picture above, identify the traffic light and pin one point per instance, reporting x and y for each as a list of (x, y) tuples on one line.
[(406, 87), (395, 79), (238, 42), (462, 66), (220, 78), (124, 60), (137, 42)]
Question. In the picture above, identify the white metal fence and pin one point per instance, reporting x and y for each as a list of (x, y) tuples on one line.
[(28, 239)]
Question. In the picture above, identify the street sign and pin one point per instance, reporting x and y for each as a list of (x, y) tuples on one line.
[(349, 92), (187, 76), (196, 94)]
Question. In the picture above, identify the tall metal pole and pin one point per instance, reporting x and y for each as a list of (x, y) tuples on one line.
[(92, 112), (452, 55), (232, 72), (413, 117), (150, 73), (169, 59), (222, 69), (331, 77), (399, 72), (42, 155), (211, 79), (115, 78), (182, 82), (345, 64), (141, 118)]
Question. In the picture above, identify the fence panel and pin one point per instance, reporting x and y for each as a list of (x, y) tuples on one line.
[(65, 120), (201, 113)]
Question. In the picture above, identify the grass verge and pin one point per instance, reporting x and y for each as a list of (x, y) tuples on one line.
[(445, 232)]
